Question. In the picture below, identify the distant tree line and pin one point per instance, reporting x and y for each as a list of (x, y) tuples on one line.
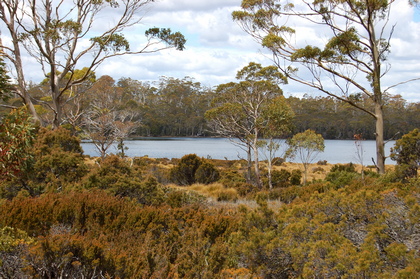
[(338, 120), (176, 107)]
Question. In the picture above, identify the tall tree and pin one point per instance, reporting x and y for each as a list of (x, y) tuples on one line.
[(279, 116), (108, 120), (55, 33), (243, 110), (352, 59)]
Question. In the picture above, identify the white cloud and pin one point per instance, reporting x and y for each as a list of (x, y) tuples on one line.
[(217, 48)]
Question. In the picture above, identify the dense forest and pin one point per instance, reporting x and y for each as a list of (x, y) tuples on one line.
[(176, 107)]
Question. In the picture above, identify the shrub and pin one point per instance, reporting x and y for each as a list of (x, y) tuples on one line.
[(17, 134), (342, 175), (227, 195), (232, 178), (191, 169), (346, 167), (116, 176), (58, 162), (176, 198), (184, 172), (407, 154), (296, 177), (207, 173), (280, 178)]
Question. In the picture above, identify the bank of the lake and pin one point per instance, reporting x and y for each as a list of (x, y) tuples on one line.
[(336, 151)]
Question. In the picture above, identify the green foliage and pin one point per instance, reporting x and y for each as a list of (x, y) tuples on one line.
[(346, 167), (84, 232), (116, 176), (114, 42), (406, 153), (341, 178), (191, 169), (207, 173), (176, 39), (59, 160), (5, 86), (306, 147), (184, 172), (295, 177), (13, 244), (279, 178), (17, 134)]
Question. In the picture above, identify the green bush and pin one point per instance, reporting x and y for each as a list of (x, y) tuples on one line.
[(232, 178), (280, 178), (296, 177), (346, 167), (207, 173), (406, 153), (116, 176), (184, 172), (191, 169), (341, 175), (57, 163)]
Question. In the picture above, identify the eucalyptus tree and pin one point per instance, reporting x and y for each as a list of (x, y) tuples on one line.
[(352, 60), (63, 35), (305, 146), (107, 120), (74, 101), (241, 110), (279, 116)]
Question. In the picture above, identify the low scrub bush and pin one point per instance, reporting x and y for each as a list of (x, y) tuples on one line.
[(296, 177), (180, 198), (230, 195), (116, 175), (191, 169)]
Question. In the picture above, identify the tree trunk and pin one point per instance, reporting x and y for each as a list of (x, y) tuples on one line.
[(256, 163), (56, 96), (305, 173), (269, 168), (22, 92), (30, 106), (249, 165), (380, 143), (377, 92)]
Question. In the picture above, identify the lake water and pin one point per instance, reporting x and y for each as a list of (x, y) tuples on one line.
[(336, 151)]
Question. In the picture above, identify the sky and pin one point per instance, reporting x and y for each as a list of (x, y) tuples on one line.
[(217, 47)]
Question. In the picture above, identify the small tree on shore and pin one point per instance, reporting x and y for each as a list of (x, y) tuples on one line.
[(305, 146), (243, 110), (407, 154)]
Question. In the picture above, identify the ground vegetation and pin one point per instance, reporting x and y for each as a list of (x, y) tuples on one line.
[(122, 217)]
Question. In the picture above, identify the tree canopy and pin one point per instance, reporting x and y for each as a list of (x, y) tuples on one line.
[(353, 59), (55, 33), (250, 109)]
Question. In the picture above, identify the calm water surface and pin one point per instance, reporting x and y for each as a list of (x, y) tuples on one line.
[(336, 151)]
